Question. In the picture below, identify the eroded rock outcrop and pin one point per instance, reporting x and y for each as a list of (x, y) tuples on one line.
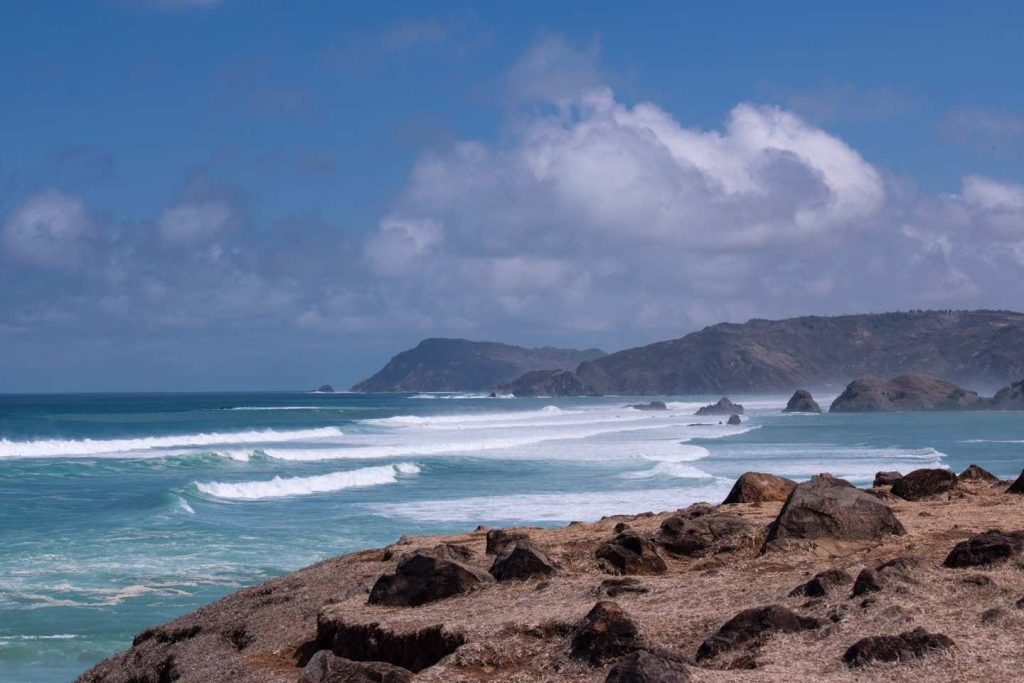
[(643, 666), (977, 475), (758, 487), (990, 547), (723, 407), (830, 508), (904, 393), (886, 478), (701, 530), (631, 553), (605, 633), (750, 626), (822, 584), (899, 648), (404, 646), (1017, 487), (653, 405), (1008, 398), (548, 383), (327, 667), (924, 483), (898, 569), (422, 578), (802, 402), (521, 561), (499, 540)]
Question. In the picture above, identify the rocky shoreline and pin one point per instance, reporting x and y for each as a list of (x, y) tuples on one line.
[(918, 578)]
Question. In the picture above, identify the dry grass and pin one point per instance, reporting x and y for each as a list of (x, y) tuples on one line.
[(518, 631)]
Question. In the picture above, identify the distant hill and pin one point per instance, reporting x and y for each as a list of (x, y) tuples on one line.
[(982, 349), (463, 365)]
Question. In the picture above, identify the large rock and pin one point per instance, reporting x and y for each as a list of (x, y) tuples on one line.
[(653, 405), (904, 393), (723, 407), (605, 633), (548, 383), (1008, 398), (649, 667), (521, 561), (1017, 487), (802, 402), (326, 667), (899, 648), (750, 626), (324, 389), (422, 578), (409, 646), (886, 478), (822, 584), (923, 483), (898, 569), (631, 553), (978, 475), (758, 487), (830, 508), (500, 540), (734, 420), (701, 531), (991, 547)]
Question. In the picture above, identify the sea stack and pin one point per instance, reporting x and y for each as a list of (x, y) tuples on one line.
[(802, 402), (723, 407), (907, 392)]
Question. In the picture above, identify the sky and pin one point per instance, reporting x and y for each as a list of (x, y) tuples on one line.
[(263, 194)]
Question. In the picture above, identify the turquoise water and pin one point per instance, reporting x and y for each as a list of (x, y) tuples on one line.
[(118, 512)]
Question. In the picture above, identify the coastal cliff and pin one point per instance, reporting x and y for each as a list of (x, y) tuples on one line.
[(980, 348), (463, 365), (810, 581)]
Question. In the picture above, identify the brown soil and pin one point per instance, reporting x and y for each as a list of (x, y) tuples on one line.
[(521, 630)]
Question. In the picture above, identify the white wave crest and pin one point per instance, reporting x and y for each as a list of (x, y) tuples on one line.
[(463, 418), (282, 487), (676, 470), (52, 448)]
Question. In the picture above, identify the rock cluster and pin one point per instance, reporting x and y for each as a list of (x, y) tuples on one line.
[(723, 407)]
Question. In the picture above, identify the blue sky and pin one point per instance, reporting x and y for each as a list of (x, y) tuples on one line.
[(256, 194)]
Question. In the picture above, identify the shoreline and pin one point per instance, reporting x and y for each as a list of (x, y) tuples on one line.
[(525, 629)]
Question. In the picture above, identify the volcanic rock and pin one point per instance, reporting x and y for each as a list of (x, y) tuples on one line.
[(723, 407), (605, 633), (886, 478), (898, 648), (758, 487), (653, 405), (409, 647), (973, 473), (326, 667), (631, 553), (990, 547), (422, 578), (644, 666), (521, 561), (499, 540), (734, 420), (830, 508), (904, 393), (1017, 486), (923, 483), (701, 534), (751, 625), (822, 584), (802, 402)]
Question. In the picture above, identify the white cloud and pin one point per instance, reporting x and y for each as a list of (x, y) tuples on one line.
[(47, 231), (400, 242), (196, 222)]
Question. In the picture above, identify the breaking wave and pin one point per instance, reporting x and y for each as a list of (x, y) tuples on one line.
[(283, 487)]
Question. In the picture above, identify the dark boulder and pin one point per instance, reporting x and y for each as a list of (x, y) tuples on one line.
[(976, 474), (802, 402), (750, 626), (499, 540), (904, 393), (326, 667), (422, 578), (898, 648), (990, 547), (616, 587), (409, 646), (631, 553), (605, 633), (734, 420), (923, 483), (758, 487), (830, 508), (723, 407), (871, 580), (653, 405), (822, 584), (886, 478), (521, 561), (701, 534), (644, 666), (1017, 486)]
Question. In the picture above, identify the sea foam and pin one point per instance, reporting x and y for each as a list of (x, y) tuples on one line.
[(282, 487), (49, 448)]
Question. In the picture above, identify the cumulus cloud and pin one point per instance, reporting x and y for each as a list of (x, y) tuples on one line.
[(193, 223), (47, 231)]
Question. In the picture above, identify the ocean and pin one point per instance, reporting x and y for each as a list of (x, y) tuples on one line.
[(118, 512)]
